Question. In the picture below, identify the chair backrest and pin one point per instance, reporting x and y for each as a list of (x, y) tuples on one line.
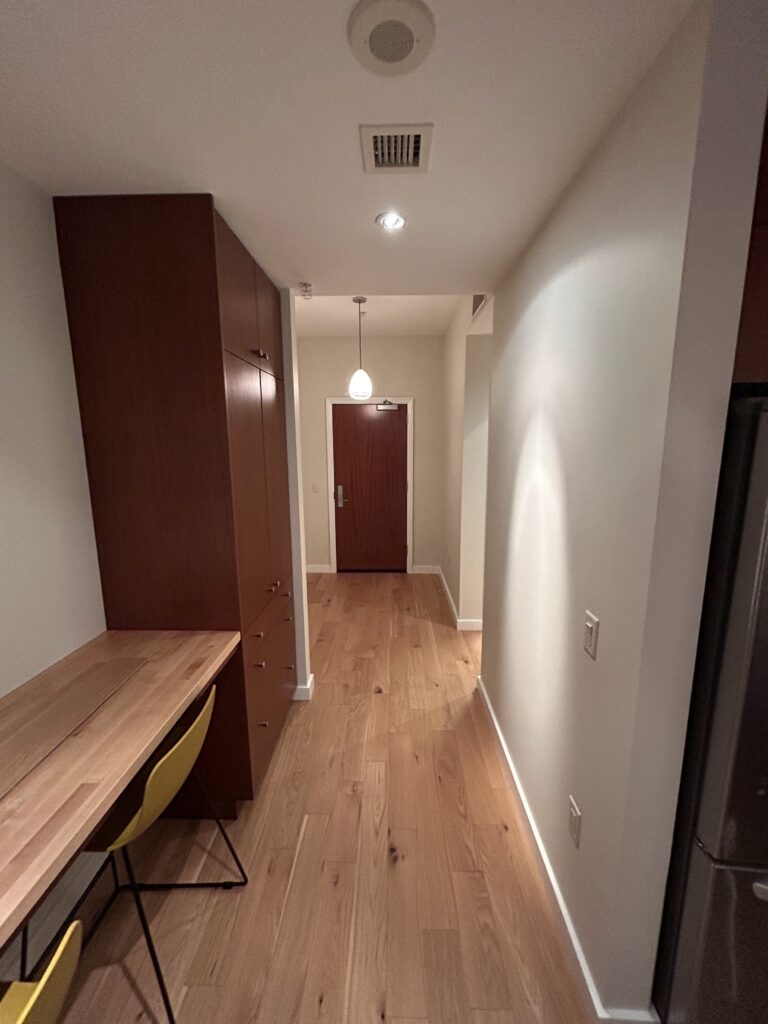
[(49, 994), (169, 775)]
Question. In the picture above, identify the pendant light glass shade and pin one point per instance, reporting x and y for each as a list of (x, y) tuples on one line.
[(360, 386)]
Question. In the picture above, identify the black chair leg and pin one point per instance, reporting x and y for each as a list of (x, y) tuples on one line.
[(242, 880), (148, 936)]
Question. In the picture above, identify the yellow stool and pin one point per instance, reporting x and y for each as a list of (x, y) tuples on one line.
[(41, 1002), (163, 783)]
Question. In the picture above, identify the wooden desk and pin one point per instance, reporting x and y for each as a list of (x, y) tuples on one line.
[(73, 737)]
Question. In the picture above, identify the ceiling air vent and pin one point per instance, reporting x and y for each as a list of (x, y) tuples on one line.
[(395, 147)]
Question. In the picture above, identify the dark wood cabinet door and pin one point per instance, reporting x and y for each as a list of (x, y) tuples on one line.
[(238, 311), (270, 323), (752, 349), (370, 464), (249, 495), (276, 457)]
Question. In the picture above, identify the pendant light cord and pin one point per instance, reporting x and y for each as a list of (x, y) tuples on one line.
[(360, 332)]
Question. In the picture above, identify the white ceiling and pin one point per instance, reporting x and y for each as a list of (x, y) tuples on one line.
[(386, 316), (259, 102)]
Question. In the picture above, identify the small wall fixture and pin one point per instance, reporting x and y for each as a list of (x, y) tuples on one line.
[(360, 386), (391, 221), (305, 289)]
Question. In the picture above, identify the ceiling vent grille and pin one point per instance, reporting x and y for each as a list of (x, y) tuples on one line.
[(395, 147)]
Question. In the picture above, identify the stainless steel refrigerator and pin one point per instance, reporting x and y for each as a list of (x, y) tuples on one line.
[(712, 965)]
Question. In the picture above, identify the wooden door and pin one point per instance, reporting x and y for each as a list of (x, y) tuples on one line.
[(276, 459), (247, 468), (370, 458)]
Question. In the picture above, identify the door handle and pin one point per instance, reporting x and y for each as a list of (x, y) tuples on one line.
[(341, 501), (760, 889)]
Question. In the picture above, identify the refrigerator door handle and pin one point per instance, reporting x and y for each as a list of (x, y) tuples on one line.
[(760, 889)]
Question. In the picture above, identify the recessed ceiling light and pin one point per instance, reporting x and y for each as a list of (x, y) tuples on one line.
[(390, 221)]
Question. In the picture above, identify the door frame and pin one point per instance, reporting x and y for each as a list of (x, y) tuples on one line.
[(346, 400)]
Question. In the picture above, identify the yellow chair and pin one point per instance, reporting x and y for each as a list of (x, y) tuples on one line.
[(163, 783), (41, 1002)]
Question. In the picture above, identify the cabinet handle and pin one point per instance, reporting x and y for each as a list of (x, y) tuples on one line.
[(259, 353), (288, 619), (258, 636), (259, 664), (263, 725), (289, 668)]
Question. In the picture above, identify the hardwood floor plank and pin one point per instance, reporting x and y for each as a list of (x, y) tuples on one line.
[(405, 972), (447, 996), (377, 730), (484, 968), (402, 798), (457, 825), (344, 826), (289, 965), (367, 977)]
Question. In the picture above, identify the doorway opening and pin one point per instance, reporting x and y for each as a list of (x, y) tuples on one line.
[(369, 448)]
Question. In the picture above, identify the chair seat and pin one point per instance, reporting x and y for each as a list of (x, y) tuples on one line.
[(14, 1001)]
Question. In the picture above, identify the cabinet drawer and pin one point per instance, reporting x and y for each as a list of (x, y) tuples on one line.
[(270, 681), (281, 606)]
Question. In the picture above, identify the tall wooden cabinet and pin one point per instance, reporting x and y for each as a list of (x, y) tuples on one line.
[(177, 344), (751, 366)]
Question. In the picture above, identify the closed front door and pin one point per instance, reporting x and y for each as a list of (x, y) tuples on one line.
[(370, 459)]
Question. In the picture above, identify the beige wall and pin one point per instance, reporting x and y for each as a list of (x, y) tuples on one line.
[(474, 478), (585, 328), (453, 377), (402, 367), (50, 594)]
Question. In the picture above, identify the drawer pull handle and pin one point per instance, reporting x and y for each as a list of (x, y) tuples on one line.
[(258, 636), (289, 668), (259, 664), (263, 725), (288, 593), (260, 353), (289, 618)]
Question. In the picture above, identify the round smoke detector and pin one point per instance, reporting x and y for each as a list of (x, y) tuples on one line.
[(391, 37)]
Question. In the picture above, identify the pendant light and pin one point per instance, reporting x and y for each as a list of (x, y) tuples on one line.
[(360, 387)]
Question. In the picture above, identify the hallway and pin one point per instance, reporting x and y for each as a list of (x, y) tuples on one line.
[(393, 874)]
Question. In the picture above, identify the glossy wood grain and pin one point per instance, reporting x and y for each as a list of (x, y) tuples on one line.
[(370, 462), (372, 789), (275, 446), (51, 811)]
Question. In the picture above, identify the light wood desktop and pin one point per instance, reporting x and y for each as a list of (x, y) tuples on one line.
[(72, 738)]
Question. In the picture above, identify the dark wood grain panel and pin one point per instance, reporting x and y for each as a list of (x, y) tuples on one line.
[(270, 682), (751, 364), (141, 293), (270, 323), (237, 294), (275, 451), (249, 493), (370, 456)]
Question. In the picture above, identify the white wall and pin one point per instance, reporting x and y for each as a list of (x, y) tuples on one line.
[(453, 379), (593, 430), (402, 367), (474, 478), (50, 594)]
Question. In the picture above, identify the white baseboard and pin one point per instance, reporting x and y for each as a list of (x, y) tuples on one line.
[(319, 568), (602, 1014), (471, 625), (305, 692), (427, 570)]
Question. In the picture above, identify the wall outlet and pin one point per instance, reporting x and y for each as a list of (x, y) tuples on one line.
[(591, 629), (574, 822)]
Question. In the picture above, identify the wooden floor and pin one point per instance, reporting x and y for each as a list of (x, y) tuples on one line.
[(393, 876)]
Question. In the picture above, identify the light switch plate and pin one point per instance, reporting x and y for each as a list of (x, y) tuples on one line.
[(574, 822), (591, 629)]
